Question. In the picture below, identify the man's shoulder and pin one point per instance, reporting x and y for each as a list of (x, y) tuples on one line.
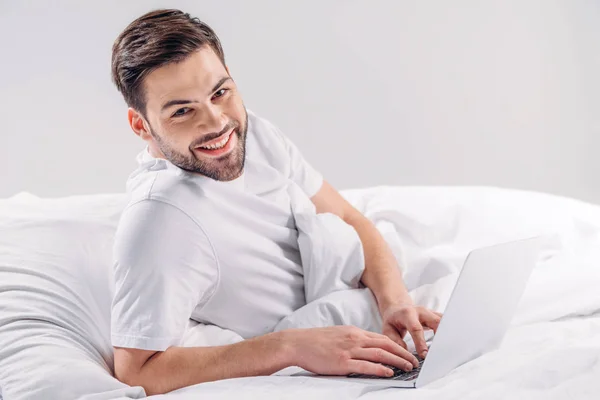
[(154, 225), (160, 182), (264, 131), (266, 144)]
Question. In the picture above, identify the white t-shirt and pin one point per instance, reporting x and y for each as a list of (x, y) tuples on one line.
[(222, 253)]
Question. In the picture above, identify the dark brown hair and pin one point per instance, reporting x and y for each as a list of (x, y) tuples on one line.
[(153, 40)]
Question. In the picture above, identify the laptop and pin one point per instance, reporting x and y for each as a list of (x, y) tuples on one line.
[(478, 313)]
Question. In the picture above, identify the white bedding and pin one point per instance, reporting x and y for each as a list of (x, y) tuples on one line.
[(547, 360), (552, 350)]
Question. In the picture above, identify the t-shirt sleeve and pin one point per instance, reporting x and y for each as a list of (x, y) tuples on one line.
[(164, 266), (301, 171)]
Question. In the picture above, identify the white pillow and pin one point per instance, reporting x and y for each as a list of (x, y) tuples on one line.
[(55, 296)]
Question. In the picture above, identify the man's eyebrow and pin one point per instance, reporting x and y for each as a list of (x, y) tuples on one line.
[(221, 81), (176, 103), (180, 102)]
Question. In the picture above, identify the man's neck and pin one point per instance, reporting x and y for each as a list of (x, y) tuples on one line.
[(155, 152)]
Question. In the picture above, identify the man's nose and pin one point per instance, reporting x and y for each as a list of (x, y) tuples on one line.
[(214, 120)]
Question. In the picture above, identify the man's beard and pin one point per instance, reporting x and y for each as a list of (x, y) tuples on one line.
[(220, 169)]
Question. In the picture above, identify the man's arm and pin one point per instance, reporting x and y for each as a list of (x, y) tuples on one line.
[(381, 274), (176, 367), (338, 350)]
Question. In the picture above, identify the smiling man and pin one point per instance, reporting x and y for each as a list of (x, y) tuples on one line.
[(209, 233)]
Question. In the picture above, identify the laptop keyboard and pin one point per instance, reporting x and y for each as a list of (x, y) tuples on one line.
[(399, 375)]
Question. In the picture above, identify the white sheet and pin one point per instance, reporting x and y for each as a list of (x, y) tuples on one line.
[(430, 231)]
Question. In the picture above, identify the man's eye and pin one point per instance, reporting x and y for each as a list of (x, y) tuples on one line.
[(181, 111), (220, 93)]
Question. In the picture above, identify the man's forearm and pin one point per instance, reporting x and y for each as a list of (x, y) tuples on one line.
[(382, 274), (178, 367)]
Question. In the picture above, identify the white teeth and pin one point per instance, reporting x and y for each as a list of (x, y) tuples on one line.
[(217, 145)]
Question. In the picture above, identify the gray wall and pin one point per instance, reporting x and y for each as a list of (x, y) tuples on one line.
[(502, 93)]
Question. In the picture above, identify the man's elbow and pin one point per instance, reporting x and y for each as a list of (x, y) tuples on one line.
[(132, 377), (131, 369), (129, 377)]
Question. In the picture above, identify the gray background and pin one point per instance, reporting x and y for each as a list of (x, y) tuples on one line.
[(503, 93)]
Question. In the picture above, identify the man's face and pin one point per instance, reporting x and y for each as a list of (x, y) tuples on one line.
[(195, 116)]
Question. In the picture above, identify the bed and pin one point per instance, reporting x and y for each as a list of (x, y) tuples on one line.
[(56, 288)]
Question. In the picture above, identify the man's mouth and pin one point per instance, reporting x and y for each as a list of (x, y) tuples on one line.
[(219, 146)]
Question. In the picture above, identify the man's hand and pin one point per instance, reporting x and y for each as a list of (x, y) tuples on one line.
[(381, 274), (404, 317), (342, 350)]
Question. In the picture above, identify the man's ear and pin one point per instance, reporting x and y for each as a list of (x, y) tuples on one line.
[(138, 124)]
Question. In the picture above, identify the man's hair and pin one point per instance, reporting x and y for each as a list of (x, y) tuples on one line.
[(156, 39)]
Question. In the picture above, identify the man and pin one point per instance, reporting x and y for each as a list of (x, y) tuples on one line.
[(209, 235)]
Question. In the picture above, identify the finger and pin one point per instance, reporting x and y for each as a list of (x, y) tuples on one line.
[(439, 314), (385, 340), (374, 335), (379, 355), (393, 334), (431, 320), (416, 332), (389, 345), (368, 368)]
